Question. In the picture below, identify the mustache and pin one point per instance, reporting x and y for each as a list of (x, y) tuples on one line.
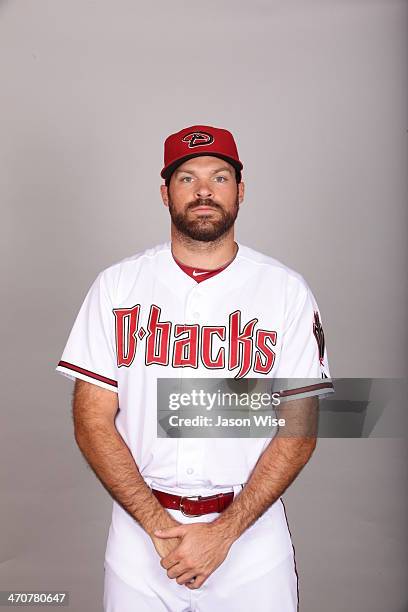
[(203, 202)]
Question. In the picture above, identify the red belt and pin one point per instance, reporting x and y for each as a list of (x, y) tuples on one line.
[(194, 505)]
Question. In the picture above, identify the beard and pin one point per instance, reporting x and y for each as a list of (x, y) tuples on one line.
[(205, 228)]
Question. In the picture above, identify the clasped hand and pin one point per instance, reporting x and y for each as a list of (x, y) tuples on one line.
[(202, 548)]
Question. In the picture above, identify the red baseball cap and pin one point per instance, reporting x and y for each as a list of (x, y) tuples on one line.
[(199, 140)]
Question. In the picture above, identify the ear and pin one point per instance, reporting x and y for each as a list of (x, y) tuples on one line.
[(164, 194), (241, 191)]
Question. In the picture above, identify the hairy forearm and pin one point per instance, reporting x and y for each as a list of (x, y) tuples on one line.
[(111, 460), (275, 470)]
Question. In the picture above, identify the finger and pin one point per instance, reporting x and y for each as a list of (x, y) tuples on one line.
[(169, 561), (186, 577), (198, 582), (171, 532), (177, 570)]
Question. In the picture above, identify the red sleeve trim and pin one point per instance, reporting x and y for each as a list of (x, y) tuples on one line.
[(326, 385), (74, 368)]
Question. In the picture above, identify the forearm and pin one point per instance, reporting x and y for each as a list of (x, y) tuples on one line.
[(205, 546), (111, 460), (275, 470)]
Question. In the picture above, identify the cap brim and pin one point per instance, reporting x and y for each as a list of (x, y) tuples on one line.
[(168, 170)]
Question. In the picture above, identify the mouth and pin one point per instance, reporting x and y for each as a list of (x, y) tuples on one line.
[(204, 209)]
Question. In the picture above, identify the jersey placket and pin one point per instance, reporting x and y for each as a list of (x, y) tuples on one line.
[(190, 453)]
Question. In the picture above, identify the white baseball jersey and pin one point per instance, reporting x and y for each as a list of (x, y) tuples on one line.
[(144, 318)]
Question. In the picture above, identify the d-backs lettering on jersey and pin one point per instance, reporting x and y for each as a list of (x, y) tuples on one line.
[(193, 345)]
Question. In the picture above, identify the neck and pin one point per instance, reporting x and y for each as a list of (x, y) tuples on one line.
[(206, 255)]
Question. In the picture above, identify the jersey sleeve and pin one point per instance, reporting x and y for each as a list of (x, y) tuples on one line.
[(89, 353), (303, 369)]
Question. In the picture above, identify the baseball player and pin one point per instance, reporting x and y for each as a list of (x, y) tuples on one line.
[(198, 524)]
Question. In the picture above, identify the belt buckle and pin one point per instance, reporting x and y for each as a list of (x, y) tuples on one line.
[(192, 497)]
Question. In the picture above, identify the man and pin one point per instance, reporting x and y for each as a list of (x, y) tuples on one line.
[(197, 523)]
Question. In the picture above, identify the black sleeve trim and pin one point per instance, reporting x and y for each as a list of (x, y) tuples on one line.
[(325, 385), (74, 368)]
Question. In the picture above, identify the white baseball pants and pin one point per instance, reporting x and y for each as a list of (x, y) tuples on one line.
[(275, 591), (252, 576)]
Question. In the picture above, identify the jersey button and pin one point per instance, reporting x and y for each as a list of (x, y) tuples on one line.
[(196, 314), (190, 471)]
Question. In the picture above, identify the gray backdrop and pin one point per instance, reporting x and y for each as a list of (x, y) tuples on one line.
[(316, 95)]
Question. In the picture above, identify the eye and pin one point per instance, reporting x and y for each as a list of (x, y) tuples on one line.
[(186, 179), (221, 179)]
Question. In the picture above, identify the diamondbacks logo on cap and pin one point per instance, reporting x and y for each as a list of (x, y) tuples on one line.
[(198, 139)]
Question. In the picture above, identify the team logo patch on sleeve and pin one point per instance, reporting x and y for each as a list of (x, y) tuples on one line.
[(319, 335)]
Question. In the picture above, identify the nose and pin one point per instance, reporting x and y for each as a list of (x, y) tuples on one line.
[(203, 189)]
